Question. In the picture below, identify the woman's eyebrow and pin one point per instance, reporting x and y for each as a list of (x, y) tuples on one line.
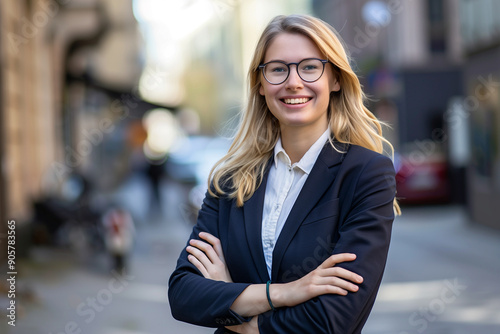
[(275, 60), (298, 61)]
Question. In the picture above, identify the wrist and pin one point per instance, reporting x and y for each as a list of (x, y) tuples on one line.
[(276, 294), (268, 295)]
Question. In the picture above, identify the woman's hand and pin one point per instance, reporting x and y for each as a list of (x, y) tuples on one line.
[(326, 279), (208, 257)]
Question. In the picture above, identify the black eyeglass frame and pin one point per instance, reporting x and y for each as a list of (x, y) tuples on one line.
[(323, 61)]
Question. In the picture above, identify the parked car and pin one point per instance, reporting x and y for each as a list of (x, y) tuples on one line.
[(422, 176)]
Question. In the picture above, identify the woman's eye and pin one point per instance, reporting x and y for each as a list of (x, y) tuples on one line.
[(278, 69), (310, 68)]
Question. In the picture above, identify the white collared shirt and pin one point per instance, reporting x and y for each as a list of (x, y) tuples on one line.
[(284, 183)]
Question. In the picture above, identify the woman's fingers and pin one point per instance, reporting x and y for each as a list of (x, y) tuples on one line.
[(215, 242), (341, 273), (338, 282), (337, 258), (208, 257), (336, 279), (206, 248), (198, 265), (200, 256)]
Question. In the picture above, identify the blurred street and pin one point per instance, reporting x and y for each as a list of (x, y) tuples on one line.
[(441, 277), (112, 113), (60, 281)]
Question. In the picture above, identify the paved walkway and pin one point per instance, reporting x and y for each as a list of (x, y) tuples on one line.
[(442, 277)]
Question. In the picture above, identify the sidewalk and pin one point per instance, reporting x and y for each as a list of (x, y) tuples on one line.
[(80, 294), (442, 278)]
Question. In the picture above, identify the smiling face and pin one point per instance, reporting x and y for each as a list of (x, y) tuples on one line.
[(296, 103)]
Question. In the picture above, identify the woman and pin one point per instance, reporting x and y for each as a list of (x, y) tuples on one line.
[(303, 179)]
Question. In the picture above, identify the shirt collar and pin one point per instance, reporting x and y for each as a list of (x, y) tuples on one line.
[(309, 158)]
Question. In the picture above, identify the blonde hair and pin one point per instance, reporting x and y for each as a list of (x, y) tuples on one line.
[(241, 170)]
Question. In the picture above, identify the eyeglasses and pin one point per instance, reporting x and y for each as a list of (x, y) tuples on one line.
[(310, 69)]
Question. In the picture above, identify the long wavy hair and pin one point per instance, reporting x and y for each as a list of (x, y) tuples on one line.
[(240, 172)]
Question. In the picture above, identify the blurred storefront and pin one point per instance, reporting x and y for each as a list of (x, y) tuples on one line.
[(432, 70), (68, 77), (408, 57), (481, 106), (31, 77)]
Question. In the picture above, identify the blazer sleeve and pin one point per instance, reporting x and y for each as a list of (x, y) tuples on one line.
[(365, 231), (194, 298)]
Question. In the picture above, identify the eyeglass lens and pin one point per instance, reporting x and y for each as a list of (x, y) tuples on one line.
[(308, 69)]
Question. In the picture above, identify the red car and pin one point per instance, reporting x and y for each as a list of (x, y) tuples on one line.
[(422, 179)]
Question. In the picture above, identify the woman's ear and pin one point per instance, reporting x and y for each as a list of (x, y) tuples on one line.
[(335, 87), (334, 81), (261, 90)]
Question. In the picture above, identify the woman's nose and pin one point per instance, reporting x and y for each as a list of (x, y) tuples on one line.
[(294, 81)]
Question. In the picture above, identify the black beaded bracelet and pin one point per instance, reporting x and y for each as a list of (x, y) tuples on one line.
[(268, 296)]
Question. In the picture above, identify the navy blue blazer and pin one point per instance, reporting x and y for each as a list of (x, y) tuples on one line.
[(345, 206)]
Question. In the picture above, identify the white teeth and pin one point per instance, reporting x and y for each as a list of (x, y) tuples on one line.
[(296, 101)]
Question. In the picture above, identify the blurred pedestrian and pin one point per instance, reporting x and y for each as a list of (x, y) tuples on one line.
[(155, 171), (294, 231), (119, 230)]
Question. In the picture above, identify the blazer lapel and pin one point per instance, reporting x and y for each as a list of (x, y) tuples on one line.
[(318, 181), (252, 210)]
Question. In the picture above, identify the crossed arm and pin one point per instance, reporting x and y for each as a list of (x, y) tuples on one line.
[(207, 256), (365, 230)]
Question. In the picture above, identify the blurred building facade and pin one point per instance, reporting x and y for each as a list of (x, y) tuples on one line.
[(407, 52), (432, 68), (481, 106), (31, 88), (408, 56), (64, 67)]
